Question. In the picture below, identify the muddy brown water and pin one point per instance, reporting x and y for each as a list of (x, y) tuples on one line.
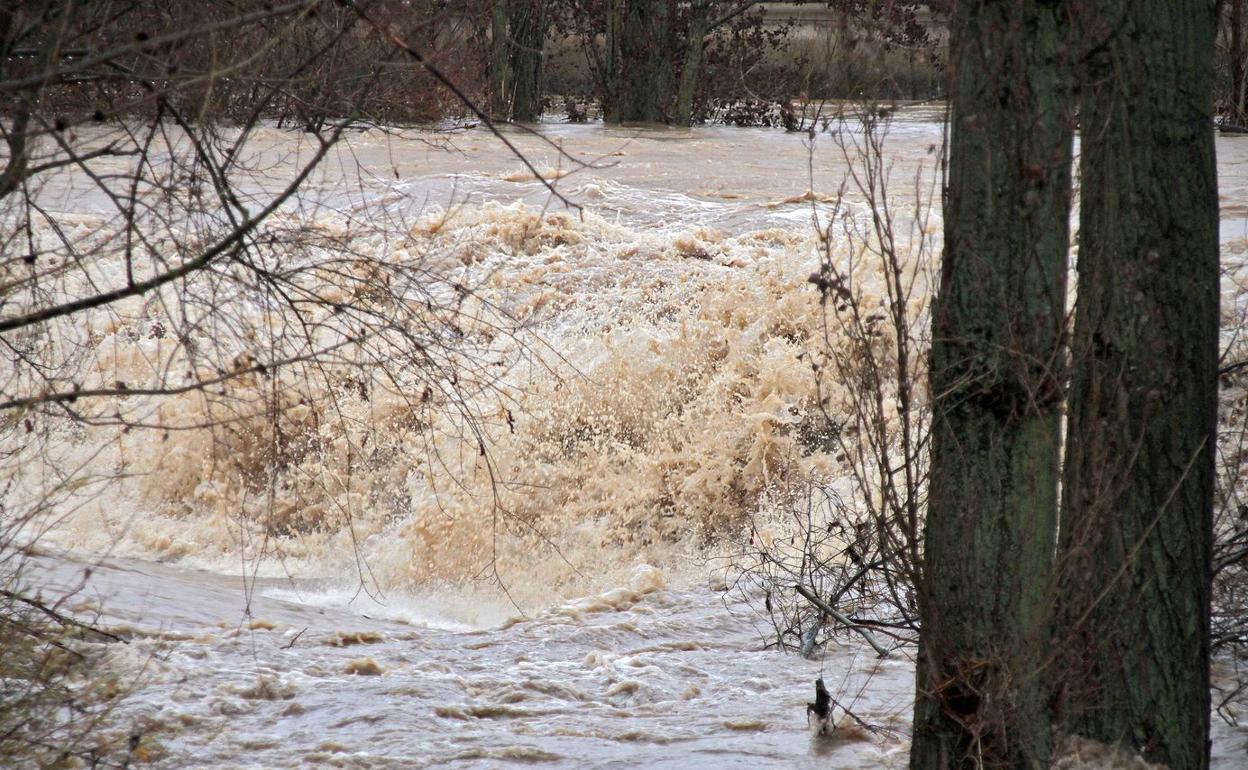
[(623, 649)]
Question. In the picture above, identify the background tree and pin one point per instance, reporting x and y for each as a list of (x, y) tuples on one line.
[(528, 34), (678, 62), (647, 43), (1231, 94), (1139, 479), (499, 65), (649, 63), (997, 336), (517, 56), (700, 22), (1239, 61)]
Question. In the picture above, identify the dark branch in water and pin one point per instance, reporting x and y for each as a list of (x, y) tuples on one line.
[(64, 620), (814, 599)]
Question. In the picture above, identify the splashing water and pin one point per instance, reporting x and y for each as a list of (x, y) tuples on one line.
[(654, 394)]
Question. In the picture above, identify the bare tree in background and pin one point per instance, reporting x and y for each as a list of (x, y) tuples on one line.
[(661, 61), (1232, 60), (517, 58)]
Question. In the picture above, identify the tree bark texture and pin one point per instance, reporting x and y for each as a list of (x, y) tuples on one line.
[(996, 378), (691, 69), (1136, 532), (645, 65), (528, 35)]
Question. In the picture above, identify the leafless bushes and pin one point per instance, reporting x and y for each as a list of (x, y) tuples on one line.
[(813, 567), (854, 543), (304, 63), (1231, 60), (1230, 562), (162, 274), (1229, 621), (57, 690), (187, 298)]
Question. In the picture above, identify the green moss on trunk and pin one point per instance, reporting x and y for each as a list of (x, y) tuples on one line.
[(997, 353)]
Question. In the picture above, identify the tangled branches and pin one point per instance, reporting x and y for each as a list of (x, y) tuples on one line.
[(846, 554)]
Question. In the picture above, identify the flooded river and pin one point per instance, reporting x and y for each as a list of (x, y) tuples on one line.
[(570, 602)]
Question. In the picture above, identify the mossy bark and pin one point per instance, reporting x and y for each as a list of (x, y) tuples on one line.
[(1139, 481), (996, 379), (691, 69)]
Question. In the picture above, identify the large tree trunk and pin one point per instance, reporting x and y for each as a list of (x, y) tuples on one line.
[(1138, 491), (644, 80), (528, 34), (997, 346), (699, 25)]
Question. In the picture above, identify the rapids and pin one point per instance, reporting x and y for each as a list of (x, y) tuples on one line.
[(657, 394)]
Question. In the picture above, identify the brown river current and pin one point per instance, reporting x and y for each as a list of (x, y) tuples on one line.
[(661, 399)]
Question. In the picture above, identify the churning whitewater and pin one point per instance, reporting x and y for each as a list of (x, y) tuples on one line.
[(536, 563)]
